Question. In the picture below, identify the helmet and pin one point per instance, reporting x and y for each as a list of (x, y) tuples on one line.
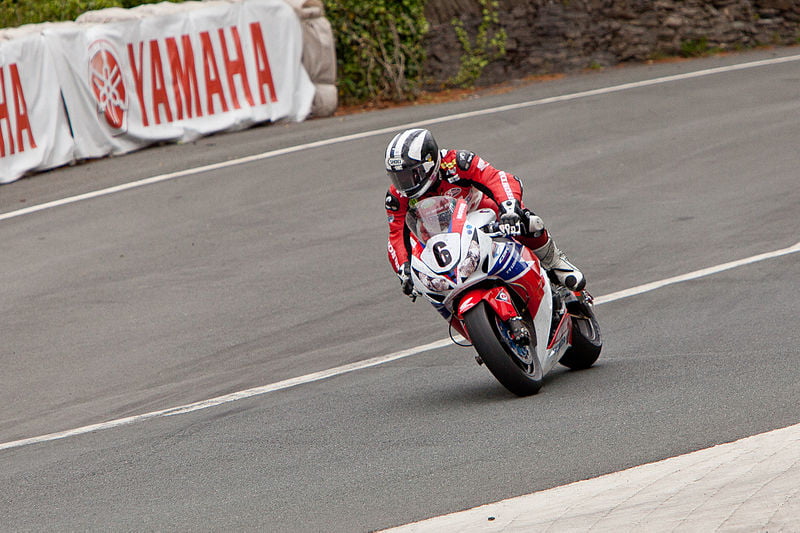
[(412, 162)]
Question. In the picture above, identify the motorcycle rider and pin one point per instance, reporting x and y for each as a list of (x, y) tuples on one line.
[(419, 169)]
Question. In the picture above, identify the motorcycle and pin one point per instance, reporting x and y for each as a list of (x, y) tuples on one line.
[(481, 280)]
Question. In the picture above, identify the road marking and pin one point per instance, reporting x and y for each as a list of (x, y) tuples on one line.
[(647, 287), (393, 129), (219, 400), (375, 361), (746, 485)]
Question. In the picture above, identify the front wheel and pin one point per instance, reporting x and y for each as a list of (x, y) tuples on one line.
[(515, 366)]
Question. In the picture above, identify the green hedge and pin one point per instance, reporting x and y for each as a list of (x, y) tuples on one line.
[(379, 43), (379, 48), (19, 12)]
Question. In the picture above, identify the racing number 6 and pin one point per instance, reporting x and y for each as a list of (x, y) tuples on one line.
[(442, 254)]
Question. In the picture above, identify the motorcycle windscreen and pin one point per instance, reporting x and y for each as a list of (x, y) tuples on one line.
[(431, 216)]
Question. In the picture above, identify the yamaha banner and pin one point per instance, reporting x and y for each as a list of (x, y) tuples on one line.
[(158, 73), (177, 76), (34, 134)]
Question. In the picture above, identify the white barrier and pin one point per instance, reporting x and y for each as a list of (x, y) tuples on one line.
[(164, 72), (34, 133), (319, 54), (181, 74)]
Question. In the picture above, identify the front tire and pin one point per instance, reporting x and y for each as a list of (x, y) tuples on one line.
[(516, 367)]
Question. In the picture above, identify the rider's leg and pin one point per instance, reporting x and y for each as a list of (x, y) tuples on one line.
[(540, 243), (554, 259)]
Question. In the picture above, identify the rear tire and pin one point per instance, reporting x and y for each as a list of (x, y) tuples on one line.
[(586, 342), (522, 375)]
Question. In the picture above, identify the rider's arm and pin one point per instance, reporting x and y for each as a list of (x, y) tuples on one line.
[(396, 209), (502, 185)]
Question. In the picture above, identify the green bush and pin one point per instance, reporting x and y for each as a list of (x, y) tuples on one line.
[(486, 48), (379, 48), (698, 48), (18, 12)]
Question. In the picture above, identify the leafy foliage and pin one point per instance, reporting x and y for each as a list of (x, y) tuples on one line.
[(698, 48), (19, 12), (379, 48), (487, 47)]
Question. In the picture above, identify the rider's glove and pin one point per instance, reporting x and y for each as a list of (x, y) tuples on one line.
[(406, 283), (511, 214)]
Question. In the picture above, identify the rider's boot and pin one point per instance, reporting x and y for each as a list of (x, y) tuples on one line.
[(556, 262)]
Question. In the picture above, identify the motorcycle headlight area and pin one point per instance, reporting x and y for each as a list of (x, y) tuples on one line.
[(436, 284), (470, 262)]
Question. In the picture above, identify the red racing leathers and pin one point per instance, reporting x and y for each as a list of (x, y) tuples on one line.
[(462, 174)]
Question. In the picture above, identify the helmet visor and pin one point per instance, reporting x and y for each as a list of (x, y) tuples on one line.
[(405, 181)]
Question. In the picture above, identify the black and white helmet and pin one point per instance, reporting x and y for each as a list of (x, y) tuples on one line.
[(412, 162)]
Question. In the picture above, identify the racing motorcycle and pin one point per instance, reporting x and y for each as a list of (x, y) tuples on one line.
[(482, 281)]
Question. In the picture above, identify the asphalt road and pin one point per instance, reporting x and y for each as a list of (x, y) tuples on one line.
[(228, 279)]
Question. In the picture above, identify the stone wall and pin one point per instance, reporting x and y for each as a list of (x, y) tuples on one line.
[(548, 36)]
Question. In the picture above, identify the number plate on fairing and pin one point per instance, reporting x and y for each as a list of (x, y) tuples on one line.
[(442, 252)]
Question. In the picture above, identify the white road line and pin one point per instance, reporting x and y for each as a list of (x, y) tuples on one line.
[(394, 129), (375, 361), (205, 404), (633, 291)]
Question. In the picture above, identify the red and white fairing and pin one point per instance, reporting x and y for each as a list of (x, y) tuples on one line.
[(455, 265)]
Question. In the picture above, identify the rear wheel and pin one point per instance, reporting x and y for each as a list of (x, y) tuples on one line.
[(586, 341), (515, 366)]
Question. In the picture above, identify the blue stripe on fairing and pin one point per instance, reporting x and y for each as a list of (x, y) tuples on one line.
[(511, 264)]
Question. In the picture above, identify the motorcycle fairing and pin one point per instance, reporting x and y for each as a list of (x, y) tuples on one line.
[(442, 252), (563, 334), (508, 261), (498, 299), (518, 267)]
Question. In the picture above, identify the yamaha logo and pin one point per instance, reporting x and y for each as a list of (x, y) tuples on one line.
[(108, 85)]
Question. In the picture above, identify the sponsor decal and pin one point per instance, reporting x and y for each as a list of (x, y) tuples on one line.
[(462, 208), (108, 85), (392, 203), (464, 159), (561, 341), (396, 163), (502, 296), (167, 66), (391, 218), (449, 167), (454, 192), (393, 256), (506, 186), (465, 305), (482, 164), (15, 125)]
